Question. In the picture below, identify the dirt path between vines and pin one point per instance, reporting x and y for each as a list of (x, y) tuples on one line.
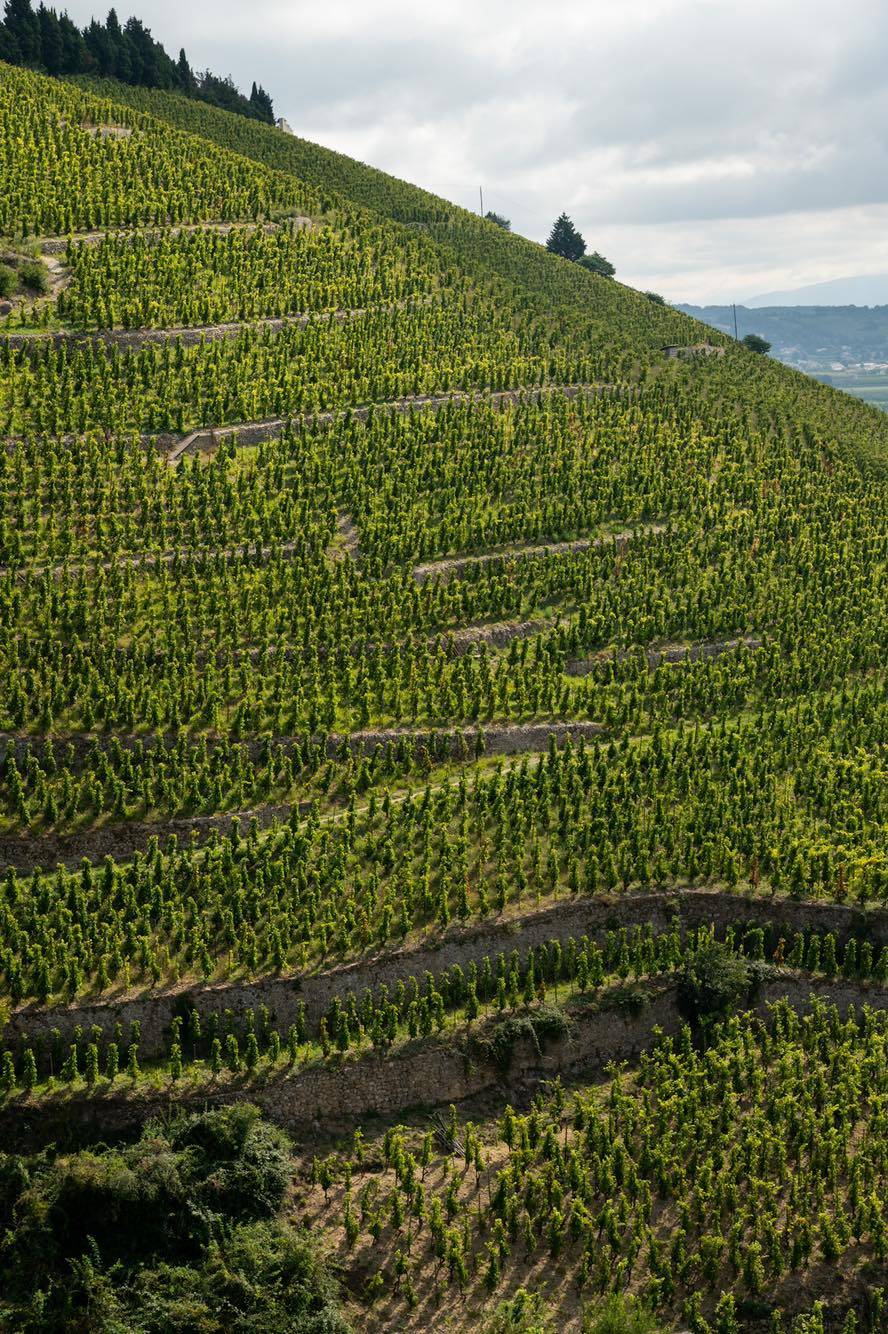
[(346, 542)]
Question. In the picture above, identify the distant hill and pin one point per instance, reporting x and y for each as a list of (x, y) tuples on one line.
[(863, 290), (811, 338)]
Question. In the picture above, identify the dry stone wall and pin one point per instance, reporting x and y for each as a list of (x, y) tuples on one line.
[(58, 245), (25, 851), (187, 335), (253, 433), (463, 945), (667, 653), (328, 1099)]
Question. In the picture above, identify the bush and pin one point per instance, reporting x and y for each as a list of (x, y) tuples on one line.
[(714, 980), (755, 343), (238, 1163), (547, 1023), (596, 263), (630, 1000), (34, 277), (8, 281), (268, 1278), (185, 1219)]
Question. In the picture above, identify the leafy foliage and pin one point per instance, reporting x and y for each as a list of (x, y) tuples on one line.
[(596, 263), (755, 343), (714, 981), (179, 1230)]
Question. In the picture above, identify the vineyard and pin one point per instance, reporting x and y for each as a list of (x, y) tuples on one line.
[(415, 689)]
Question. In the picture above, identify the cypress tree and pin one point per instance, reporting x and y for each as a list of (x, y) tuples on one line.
[(52, 51)]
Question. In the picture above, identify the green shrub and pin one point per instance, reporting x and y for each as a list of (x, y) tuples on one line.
[(547, 1023), (8, 281), (714, 980), (33, 276), (268, 1277), (159, 1210), (630, 1000)]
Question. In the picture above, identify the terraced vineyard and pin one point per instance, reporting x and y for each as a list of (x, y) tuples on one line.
[(415, 689)]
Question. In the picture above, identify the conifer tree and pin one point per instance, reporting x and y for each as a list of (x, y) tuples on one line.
[(23, 27), (565, 240)]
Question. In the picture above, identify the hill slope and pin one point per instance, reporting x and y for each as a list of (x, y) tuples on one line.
[(372, 580)]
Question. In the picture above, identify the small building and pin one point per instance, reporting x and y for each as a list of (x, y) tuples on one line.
[(284, 125)]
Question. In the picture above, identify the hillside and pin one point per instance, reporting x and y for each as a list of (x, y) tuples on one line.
[(416, 687)]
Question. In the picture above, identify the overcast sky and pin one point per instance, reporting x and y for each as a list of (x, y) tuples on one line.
[(712, 150)]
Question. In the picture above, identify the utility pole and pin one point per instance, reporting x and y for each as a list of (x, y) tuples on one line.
[(734, 308), (481, 193)]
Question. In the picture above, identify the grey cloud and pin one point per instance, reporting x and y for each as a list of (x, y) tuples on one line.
[(646, 118)]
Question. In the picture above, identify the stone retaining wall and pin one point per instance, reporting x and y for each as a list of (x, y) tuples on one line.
[(462, 945), (187, 335), (206, 438), (328, 1099), (121, 840), (57, 245), (507, 739), (668, 653), (253, 433)]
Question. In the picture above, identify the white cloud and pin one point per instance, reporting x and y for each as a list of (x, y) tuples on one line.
[(709, 149)]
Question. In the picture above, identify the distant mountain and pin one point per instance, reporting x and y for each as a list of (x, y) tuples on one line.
[(864, 290)]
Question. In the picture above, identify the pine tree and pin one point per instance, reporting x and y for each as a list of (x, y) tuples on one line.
[(23, 27), (565, 240), (52, 50), (75, 58)]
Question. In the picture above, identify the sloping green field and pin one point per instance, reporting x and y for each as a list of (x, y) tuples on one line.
[(369, 578)]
